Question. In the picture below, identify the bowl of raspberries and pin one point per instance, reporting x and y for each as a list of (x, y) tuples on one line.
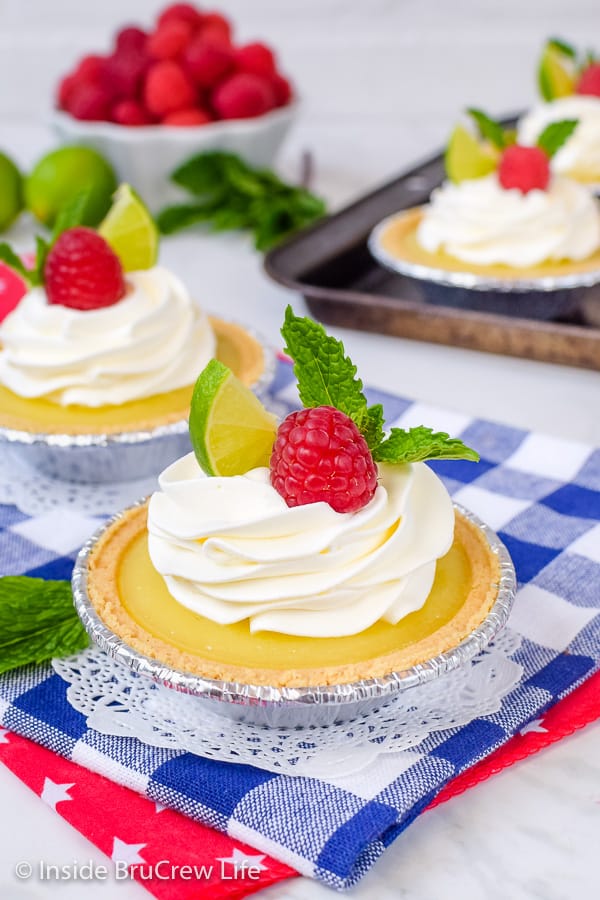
[(163, 94)]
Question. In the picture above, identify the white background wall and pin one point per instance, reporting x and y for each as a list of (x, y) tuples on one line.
[(382, 80)]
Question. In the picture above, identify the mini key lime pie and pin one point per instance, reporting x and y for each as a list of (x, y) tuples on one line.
[(503, 233), (320, 562), (570, 87), (104, 349)]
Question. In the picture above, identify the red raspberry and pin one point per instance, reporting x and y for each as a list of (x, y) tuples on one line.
[(207, 62), (214, 26), (89, 102), (65, 90), (243, 96), (130, 112), (589, 82), (123, 74), (82, 271), (320, 455), (281, 88), (256, 58), (90, 69), (170, 40), (180, 12), (193, 116), (525, 168), (131, 38), (168, 88)]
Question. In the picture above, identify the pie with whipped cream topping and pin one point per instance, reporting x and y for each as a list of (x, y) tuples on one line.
[(136, 602), (242, 577), (519, 222), (123, 366)]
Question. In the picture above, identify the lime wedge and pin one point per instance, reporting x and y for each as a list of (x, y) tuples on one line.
[(467, 157), (130, 230), (556, 72), (230, 429)]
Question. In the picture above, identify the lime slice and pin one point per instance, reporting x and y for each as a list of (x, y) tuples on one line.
[(467, 157), (130, 230), (231, 431), (11, 192), (556, 72)]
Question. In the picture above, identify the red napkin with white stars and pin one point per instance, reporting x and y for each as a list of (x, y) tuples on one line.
[(134, 831)]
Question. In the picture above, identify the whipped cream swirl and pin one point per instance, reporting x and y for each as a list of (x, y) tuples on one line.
[(231, 549), (153, 340), (579, 156), (478, 221)]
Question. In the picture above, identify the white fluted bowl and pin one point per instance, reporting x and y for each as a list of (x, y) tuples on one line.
[(145, 156)]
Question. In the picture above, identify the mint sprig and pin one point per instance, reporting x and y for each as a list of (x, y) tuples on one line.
[(228, 195), (421, 443), (8, 256), (489, 129), (327, 377), (69, 216), (554, 135), (37, 621)]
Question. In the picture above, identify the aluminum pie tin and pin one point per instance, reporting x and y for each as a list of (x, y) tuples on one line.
[(285, 707), (546, 297), (117, 456)]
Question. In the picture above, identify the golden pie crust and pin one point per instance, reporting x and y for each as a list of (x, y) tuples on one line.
[(238, 349), (399, 240), (103, 574)]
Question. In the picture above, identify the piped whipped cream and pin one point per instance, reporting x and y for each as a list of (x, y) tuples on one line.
[(478, 221), (152, 341), (579, 156), (231, 549)]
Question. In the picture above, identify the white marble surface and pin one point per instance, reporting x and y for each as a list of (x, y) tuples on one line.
[(381, 84)]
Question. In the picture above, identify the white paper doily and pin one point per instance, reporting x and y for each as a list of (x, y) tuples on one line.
[(35, 494), (118, 701)]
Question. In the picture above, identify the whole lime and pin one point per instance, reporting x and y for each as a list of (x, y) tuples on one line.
[(64, 173), (11, 192)]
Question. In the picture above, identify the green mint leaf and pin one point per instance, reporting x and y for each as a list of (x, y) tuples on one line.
[(372, 426), (175, 218), (42, 248), (554, 135), (489, 130), (421, 443), (242, 178), (234, 196), (562, 47), (37, 621), (203, 173), (8, 256), (72, 214), (326, 376)]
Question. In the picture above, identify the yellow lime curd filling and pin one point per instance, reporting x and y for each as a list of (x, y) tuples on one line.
[(43, 413), (146, 599), (235, 348), (399, 239)]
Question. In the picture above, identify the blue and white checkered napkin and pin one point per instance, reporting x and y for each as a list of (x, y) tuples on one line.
[(543, 496)]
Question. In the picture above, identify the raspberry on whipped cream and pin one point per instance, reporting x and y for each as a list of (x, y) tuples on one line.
[(480, 222)]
